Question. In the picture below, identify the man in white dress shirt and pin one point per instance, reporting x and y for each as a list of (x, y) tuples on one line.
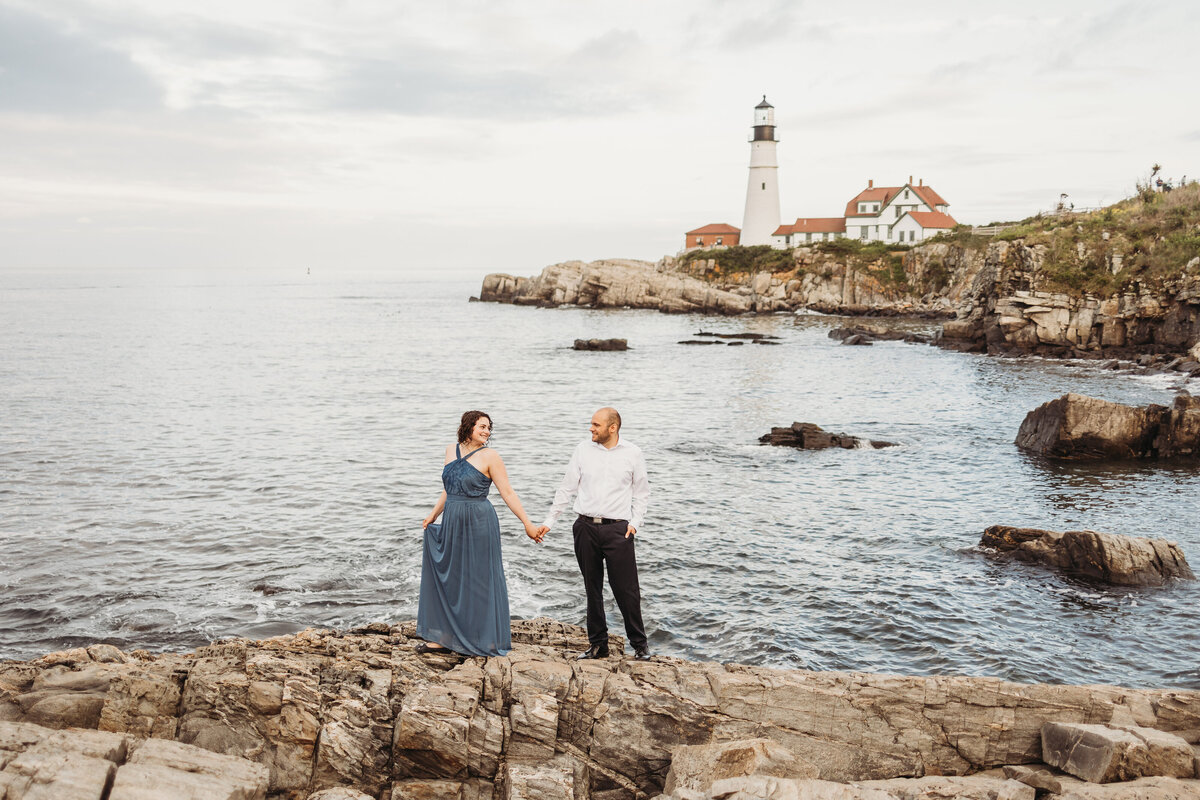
[(608, 475)]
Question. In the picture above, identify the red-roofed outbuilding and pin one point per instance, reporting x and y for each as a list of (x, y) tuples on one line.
[(717, 234)]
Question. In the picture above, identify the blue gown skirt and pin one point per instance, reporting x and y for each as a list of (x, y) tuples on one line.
[(464, 597)]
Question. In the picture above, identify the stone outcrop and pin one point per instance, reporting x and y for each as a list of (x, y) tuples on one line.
[(1103, 754), (321, 711), (817, 281), (1108, 557), (614, 284), (1006, 311), (601, 344), (1075, 426), (995, 298), (39, 763), (807, 436)]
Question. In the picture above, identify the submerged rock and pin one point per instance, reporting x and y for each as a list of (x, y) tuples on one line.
[(601, 344), (807, 436), (1108, 557)]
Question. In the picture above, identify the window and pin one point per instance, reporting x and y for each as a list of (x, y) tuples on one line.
[(864, 231), (906, 194), (720, 239), (808, 237), (699, 240), (764, 186), (875, 207), (912, 235)]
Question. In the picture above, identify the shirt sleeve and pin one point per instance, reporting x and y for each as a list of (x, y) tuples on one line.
[(566, 490), (641, 492)]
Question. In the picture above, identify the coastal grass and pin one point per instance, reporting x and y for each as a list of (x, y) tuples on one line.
[(741, 260), (1147, 238)]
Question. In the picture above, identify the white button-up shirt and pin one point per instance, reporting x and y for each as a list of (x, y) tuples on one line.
[(610, 483)]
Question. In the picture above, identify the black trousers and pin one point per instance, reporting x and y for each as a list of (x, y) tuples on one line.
[(597, 544)]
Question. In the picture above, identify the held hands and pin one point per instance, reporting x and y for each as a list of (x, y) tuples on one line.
[(536, 532)]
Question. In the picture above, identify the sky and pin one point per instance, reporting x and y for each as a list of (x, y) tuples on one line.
[(506, 135)]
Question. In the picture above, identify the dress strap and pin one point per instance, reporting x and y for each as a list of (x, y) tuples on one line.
[(473, 452), (457, 452)]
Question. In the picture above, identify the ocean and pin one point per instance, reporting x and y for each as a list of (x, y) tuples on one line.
[(190, 456)]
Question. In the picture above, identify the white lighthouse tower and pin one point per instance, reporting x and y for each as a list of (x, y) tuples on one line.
[(762, 192)]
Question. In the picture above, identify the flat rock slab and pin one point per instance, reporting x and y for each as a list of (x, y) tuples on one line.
[(322, 709), (698, 767), (807, 436), (1108, 557), (42, 764), (1103, 754)]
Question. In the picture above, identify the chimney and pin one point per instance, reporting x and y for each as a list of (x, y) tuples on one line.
[(922, 183), (870, 183), (910, 180)]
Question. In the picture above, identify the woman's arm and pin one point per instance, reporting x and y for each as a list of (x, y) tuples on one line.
[(437, 511), (499, 476), (441, 502)]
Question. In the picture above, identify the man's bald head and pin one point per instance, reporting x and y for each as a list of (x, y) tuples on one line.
[(605, 427), (611, 416)]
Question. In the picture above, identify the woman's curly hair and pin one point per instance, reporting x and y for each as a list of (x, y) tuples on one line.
[(468, 423)]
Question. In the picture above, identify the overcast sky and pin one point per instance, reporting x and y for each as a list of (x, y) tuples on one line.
[(504, 136)]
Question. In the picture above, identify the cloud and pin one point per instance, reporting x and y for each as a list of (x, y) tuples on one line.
[(597, 78), (46, 69)]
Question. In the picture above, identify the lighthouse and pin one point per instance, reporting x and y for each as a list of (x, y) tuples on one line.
[(761, 217)]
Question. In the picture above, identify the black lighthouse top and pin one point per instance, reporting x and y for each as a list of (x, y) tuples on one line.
[(764, 122)]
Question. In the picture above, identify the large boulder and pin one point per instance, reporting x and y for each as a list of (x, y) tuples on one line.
[(1075, 426), (1102, 754), (1180, 434), (1108, 557)]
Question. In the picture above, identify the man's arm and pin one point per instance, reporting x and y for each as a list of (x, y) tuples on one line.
[(641, 493), (566, 490)]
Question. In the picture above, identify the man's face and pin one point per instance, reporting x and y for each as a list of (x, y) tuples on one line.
[(602, 430)]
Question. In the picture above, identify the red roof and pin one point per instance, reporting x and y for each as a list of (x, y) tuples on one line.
[(885, 194), (715, 227), (931, 198), (932, 219), (813, 225), (878, 194)]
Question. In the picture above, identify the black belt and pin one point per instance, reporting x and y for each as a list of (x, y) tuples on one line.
[(600, 520)]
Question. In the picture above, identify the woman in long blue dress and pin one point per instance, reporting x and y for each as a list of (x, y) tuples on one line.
[(464, 597)]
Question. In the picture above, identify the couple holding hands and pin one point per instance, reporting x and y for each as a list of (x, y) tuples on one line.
[(464, 597)]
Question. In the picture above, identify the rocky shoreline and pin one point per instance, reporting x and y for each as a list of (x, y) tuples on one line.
[(353, 715), (997, 298)]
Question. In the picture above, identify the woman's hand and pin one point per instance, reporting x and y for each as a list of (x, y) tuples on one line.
[(425, 523), (535, 532)]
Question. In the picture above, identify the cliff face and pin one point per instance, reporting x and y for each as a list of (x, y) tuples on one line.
[(1008, 308), (999, 294), (321, 709)]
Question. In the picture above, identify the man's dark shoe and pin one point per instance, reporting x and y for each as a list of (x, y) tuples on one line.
[(595, 651), (641, 653)]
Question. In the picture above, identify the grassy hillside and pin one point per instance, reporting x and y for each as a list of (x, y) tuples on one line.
[(1147, 238)]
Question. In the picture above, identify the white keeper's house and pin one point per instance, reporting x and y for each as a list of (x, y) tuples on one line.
[(900, 214)]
